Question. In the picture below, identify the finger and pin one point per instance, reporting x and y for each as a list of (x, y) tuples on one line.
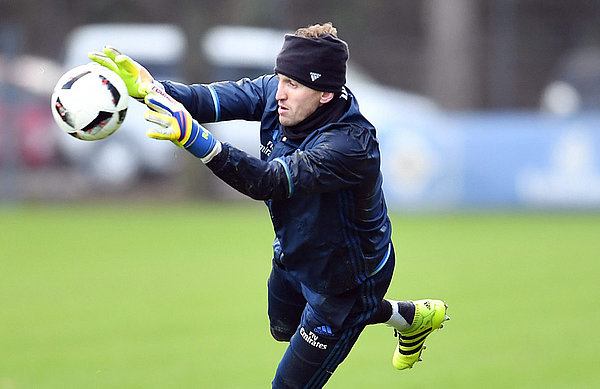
[(159, 133), (144, 88), (158, 102), (158, 118), (162, 134), (111, 52), (127, 64), (103, 60)]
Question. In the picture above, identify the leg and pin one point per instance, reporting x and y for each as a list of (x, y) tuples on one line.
[(429, 316), (412, 321), (315, 351), (286, 304), (328, 330), (398, 314)]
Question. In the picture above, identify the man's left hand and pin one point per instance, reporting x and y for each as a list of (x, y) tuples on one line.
[(177, 125)]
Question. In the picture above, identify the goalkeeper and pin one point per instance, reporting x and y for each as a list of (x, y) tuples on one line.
[(319, 175)]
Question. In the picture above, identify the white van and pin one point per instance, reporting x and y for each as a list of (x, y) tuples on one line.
[(403, 120), (120, 159), (234, 52)]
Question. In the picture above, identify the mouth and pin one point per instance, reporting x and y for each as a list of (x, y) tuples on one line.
[(281, 109)]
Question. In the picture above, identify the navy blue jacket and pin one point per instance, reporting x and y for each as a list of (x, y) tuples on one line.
[(324, 195)]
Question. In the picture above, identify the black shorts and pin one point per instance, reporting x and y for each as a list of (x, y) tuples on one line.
[(321, 329)]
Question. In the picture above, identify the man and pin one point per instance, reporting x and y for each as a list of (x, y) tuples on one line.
[(319, 175)]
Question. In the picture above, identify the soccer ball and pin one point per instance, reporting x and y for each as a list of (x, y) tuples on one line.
[(89, 102)]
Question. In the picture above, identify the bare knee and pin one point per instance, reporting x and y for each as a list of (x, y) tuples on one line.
[(282, 334)]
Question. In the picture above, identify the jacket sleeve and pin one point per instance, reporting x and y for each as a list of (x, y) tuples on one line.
[(258, 179), (338, 160), (227, 100)]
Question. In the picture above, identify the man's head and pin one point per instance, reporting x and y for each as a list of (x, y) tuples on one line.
[(311, 68)]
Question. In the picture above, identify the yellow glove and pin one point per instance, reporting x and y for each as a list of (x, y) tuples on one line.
[(135, 76), (177, 125)]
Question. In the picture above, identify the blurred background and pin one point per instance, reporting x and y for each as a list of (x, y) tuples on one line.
[(488, 115), (489, 104)]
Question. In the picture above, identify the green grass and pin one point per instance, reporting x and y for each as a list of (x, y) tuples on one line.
[(175, 297)]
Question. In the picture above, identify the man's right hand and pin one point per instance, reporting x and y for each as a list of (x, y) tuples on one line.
[(135, 76), (177, 125)]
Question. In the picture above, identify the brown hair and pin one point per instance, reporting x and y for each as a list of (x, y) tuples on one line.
[(317, 30)]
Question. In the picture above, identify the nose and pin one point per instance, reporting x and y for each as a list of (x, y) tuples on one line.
[(280, 95)]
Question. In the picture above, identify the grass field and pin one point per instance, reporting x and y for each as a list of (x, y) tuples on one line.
[(175, 297)]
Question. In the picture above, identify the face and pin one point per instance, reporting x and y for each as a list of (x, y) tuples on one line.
[(296, 101)]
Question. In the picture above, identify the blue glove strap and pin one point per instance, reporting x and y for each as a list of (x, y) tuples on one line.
[(201, 141)]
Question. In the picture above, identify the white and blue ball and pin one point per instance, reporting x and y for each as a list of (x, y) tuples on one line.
[(89, 102)]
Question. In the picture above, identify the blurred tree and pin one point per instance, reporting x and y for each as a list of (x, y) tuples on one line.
[(501, 53), (452, 48)]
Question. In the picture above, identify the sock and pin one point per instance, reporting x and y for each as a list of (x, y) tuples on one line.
[(407, 310), (383, 313), (403, 313)]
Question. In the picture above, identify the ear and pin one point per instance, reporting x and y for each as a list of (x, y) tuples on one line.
[(326, 97)]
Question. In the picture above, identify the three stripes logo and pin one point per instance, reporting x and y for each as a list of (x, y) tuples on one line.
[(314, 76), (323, 330)]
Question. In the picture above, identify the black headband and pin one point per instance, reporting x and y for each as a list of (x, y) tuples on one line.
[(319, 63)]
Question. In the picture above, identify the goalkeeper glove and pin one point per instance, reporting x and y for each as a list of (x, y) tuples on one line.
[(134, 74), (177, 125)]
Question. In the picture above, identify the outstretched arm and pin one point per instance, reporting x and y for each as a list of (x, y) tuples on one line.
[(227, 100)]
